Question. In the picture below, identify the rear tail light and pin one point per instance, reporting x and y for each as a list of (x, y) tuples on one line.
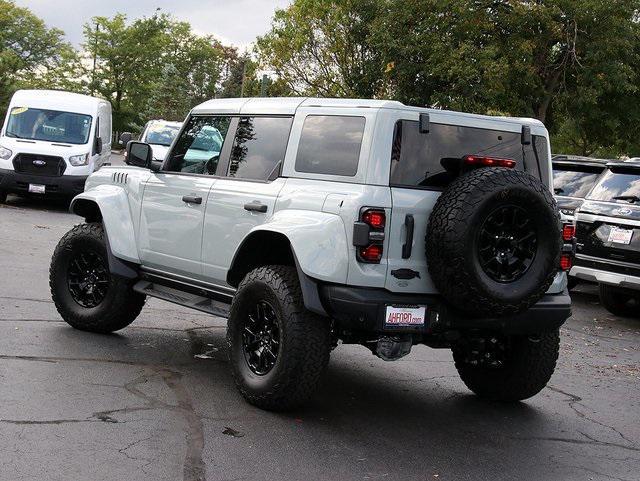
[(371, 253), (484, 161), (568, 246), (568, 232), (368, 235), (375, 219)]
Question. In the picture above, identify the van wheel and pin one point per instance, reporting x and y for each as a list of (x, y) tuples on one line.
[(278, 350), (620, 301), (508, 369), (86, 294)]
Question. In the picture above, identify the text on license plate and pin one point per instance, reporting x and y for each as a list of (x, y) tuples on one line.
[(405, 316), (36, 188), (620, 236)]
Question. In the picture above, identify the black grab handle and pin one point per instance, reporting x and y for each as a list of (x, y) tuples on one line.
[(408, 243), (255, 207), (190, 199)]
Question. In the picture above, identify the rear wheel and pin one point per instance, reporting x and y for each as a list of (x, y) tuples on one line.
[(86, 294), (278, 350), (620, 301), (507, 369)]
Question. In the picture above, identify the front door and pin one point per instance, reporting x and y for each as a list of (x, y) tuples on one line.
[(175, 198)]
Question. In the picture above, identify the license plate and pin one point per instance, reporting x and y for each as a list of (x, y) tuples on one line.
[(405, 316), (620, 236), (36, 188)]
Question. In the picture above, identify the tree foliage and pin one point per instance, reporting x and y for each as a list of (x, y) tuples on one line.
[(570, 63), (30, 53)]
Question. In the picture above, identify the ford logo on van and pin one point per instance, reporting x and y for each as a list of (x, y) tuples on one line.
[(39, 162), (623, 211)]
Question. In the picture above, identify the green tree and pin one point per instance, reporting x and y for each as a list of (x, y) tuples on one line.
[(322, 48), (30, 53)]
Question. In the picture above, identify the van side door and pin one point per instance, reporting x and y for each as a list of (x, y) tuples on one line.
[(246, 193)]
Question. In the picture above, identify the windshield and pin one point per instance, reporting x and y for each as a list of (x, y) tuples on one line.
[(48, 125), (161, 133), (621, 186), (573, 182)]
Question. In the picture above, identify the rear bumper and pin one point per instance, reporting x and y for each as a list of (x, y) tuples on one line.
[(64, 185), (605, 277), (364, 310)]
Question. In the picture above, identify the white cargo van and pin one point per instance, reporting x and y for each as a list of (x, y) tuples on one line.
[(51, 141)]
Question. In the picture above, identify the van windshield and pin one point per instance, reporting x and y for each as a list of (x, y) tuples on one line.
[(48, 125), (161, 133)]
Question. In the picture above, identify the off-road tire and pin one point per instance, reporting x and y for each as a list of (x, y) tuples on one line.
[(453, 233), (305, 341), (121, 304), (529, 364), (620, 301)]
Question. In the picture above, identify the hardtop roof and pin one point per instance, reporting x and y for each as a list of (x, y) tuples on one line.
[(289, 106)]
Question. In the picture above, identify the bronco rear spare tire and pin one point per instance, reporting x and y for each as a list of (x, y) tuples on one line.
[(493, 242)]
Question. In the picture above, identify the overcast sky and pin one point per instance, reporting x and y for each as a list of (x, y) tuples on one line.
[(237, 22)]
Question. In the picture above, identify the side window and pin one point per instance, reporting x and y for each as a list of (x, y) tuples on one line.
[(259, 147), (330, 145), (197, 150)]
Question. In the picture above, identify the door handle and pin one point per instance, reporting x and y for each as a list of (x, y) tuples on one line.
[(408, 243), (255, 207), (190, 199)]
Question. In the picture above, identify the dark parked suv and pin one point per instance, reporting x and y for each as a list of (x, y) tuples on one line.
[(608, 237), (573, 178)]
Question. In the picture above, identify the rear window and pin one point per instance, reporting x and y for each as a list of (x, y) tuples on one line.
[(618, 185), (574, 181), (432, 160), (330, 144)]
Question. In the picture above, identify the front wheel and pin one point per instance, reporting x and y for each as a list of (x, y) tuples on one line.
[(508, 368), (86, 294), (278, 350), (620, 301)]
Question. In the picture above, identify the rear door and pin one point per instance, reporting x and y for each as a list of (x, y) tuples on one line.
[(174, 200), (246, 192), (422, 166)]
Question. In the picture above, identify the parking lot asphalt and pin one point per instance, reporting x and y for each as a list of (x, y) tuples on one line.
[(156, 400)]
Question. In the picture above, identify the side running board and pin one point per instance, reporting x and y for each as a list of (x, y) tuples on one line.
[(187, 299)]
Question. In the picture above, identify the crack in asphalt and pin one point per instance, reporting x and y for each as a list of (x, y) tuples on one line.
[(194, 468), (573, 400), (590, 441)]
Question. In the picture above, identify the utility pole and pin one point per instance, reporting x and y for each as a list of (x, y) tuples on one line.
[(263, 86), (95, 55), (244, 75)]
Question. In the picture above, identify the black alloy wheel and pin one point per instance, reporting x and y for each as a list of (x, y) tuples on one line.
[(507, 243), (261, 338), (88, 278)]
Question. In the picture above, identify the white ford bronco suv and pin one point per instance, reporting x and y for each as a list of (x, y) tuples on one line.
[(307, 222)]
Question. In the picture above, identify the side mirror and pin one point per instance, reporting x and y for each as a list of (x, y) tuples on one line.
[(98, 147), (139, 154), (125, 138)]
